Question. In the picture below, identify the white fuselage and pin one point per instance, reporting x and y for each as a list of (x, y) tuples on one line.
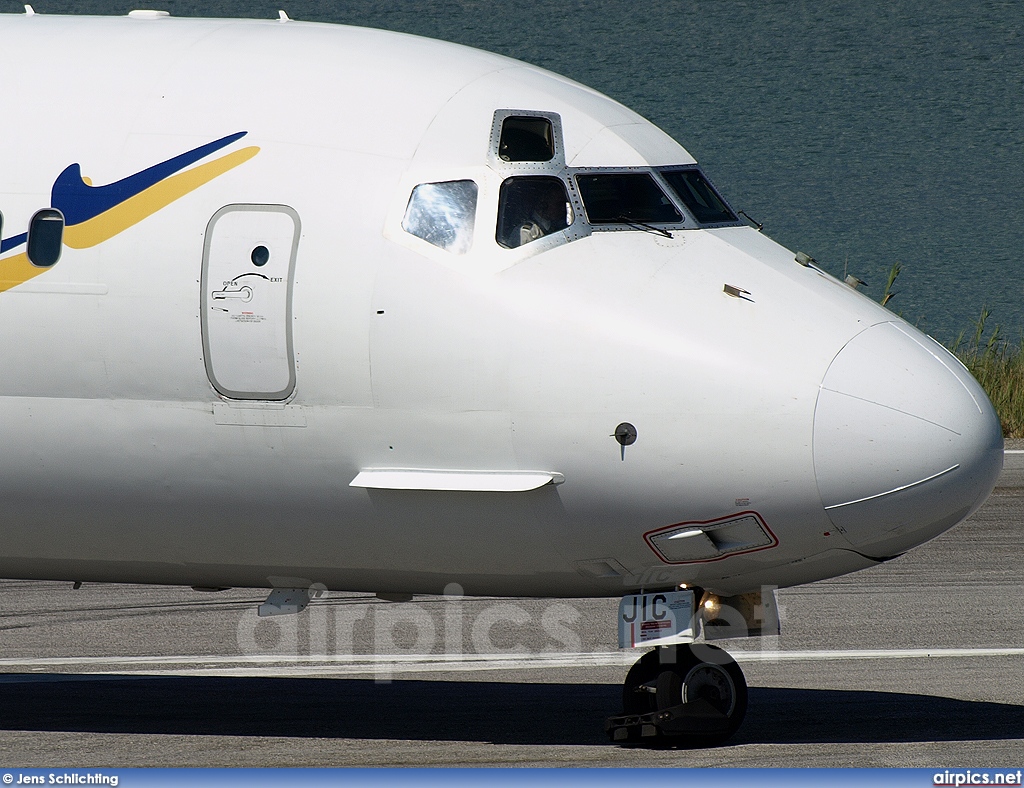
[(143, 441)]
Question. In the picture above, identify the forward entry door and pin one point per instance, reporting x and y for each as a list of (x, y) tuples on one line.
[(248, 269)]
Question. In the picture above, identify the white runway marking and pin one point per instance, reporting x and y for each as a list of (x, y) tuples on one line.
[(372, 665)]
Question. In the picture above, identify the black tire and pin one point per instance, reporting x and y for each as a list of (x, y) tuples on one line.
[(706, 674)]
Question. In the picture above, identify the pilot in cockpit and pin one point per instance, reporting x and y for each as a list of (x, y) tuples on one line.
[(532, 207)]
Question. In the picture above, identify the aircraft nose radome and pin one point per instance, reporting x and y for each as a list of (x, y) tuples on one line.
[(906, 443)]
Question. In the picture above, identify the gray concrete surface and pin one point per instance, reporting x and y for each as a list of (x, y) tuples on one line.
[(919, 662)]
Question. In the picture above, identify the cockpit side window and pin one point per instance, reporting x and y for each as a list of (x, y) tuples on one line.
[(530, 207), (526, 138), (699, 196), (625, 197), (442, 214)]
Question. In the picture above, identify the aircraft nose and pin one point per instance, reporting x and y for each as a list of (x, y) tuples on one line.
[(906, 443)]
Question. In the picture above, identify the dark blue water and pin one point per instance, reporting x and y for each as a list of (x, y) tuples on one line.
[(862, 134)]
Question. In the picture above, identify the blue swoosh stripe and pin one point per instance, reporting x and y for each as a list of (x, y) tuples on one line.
[(14, 240), (80, 202)]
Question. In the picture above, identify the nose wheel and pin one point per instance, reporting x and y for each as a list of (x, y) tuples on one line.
[(689, 695)]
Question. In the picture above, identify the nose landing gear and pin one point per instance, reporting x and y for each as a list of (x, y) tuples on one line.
[(688, 695)]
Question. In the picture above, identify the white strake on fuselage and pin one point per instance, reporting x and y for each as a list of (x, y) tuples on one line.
[(371, 411)]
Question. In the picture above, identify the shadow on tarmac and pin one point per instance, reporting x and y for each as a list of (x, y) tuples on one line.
[(496, 712)]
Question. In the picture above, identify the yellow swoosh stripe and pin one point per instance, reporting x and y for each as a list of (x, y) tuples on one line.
[(17, 269), (149, 201)]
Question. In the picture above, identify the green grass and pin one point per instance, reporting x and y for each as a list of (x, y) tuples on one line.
[(998, 365)]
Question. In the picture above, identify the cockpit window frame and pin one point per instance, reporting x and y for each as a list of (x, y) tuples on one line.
[(687, 221), (554, 166), (673, 195), (518, 227)]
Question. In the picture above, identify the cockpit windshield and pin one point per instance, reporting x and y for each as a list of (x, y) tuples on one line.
[(531, 207), (526, 139), (699, 196), (544, 202), (442, 214), (625, 197)]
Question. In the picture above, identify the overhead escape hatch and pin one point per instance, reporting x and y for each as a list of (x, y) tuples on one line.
[(685, 543)]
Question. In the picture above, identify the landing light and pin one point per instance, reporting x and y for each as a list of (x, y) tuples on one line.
[(712, 607)]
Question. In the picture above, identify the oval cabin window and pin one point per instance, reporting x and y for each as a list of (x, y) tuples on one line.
[(45, 237)]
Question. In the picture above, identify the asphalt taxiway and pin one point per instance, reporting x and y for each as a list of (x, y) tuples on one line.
[(918, 662)]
